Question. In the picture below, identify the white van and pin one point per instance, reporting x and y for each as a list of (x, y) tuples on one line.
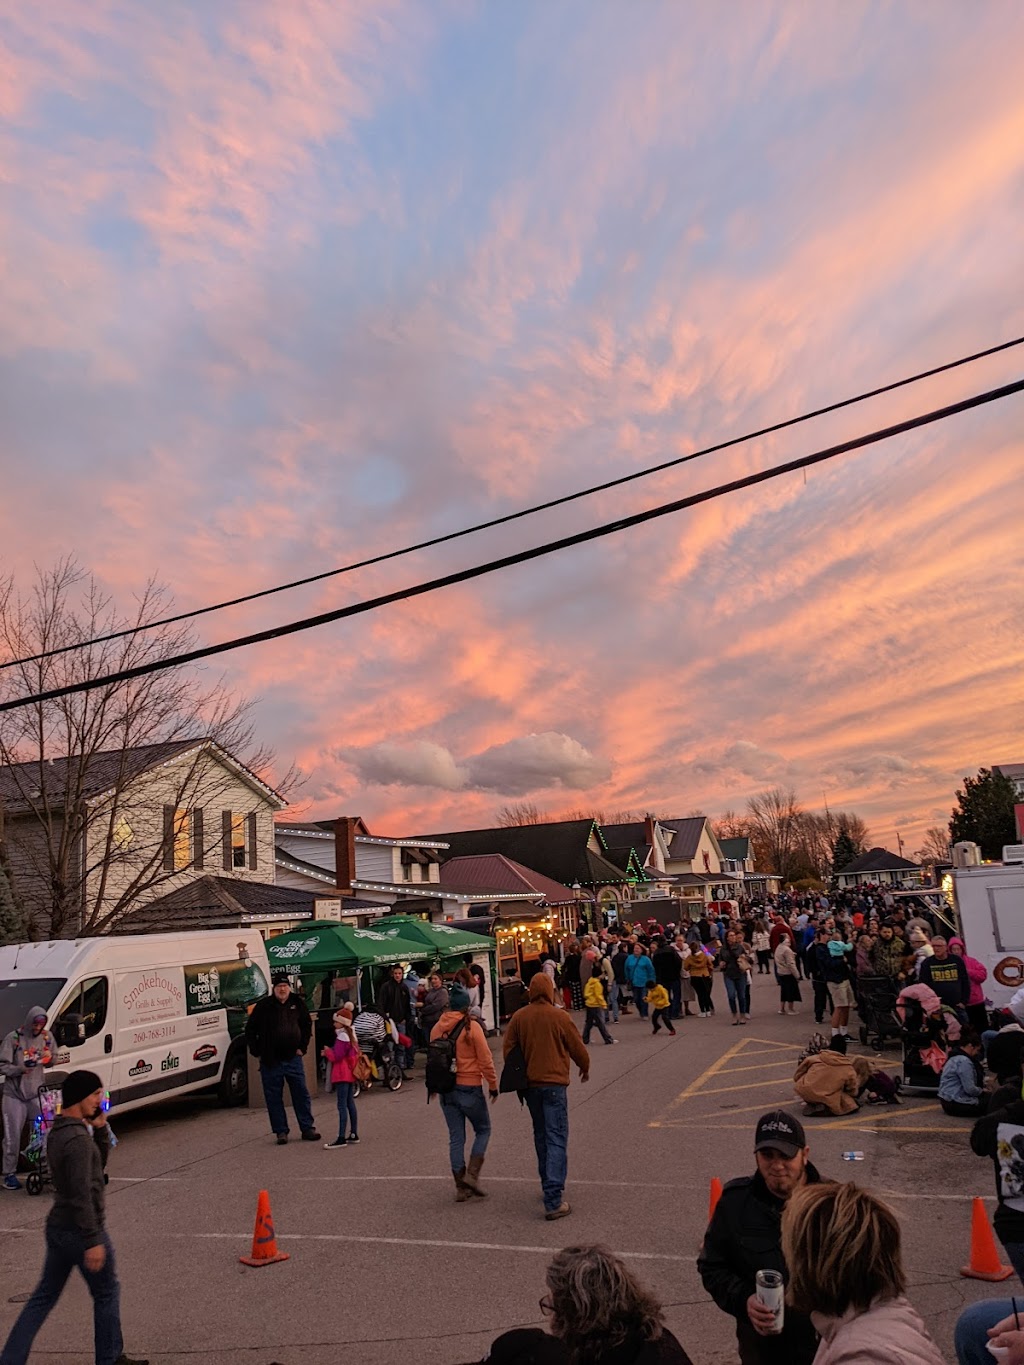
[(152, 1014)]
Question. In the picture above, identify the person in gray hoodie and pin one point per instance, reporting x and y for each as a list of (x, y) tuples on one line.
[(76, 1237), (24, 1055)]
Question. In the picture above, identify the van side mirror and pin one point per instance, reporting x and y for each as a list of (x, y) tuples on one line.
[(69, 1031)]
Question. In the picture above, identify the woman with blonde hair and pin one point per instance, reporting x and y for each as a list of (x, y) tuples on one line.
[(841, 1247)]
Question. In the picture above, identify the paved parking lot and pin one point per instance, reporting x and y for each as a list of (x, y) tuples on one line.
[(384, 1263)]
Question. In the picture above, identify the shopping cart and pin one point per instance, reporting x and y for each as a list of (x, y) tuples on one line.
[(38, 1178)]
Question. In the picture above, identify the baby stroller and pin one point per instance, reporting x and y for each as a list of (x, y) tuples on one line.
[(925, 1047), (876, 1005), (38, 1178)]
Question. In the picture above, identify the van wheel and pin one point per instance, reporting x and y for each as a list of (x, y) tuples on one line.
[(233, 1087)]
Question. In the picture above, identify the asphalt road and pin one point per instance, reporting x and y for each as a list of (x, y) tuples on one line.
[(385, 1267)]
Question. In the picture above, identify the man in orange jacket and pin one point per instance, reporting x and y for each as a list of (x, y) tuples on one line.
[(549, 1041)]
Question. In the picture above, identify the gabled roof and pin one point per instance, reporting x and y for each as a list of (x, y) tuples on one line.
[(23, 785), (493, 871), (737, 849), (213, 902), (684, 836), (557, 848), (633, 834), (878, 860)]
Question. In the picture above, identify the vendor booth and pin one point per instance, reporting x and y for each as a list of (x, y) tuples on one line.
[(446, 947)]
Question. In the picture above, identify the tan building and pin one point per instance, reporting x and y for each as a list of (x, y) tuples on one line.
[(86, 841)]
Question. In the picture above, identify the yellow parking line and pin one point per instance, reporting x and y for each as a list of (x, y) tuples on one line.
[(748, 1085), (853, 1120), (695, 1085), (762, 1066)]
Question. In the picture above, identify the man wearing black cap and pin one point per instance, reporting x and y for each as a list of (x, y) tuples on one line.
[(744, 1236), (277, 1032), (76, 1150)]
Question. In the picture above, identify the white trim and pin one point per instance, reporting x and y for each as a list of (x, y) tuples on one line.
[(222, 756), (434, 891)]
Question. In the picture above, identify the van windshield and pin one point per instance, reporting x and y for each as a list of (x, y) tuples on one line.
[(18, 996)]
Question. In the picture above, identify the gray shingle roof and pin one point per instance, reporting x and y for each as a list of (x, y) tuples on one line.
[(557, 848), (878, 860), (686, 832), (23, 785)]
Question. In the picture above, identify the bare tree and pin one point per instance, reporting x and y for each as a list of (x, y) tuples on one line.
[(729, 825), (81, 843), (935, 848), (520, 813), (813, 844), (851, 824), (774, 829)]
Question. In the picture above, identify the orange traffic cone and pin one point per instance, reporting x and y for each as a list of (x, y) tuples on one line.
[(985, 1263), (716, 1194), (264, 1243)]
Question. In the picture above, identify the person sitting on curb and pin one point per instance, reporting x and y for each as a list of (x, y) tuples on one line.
[(600, 1315)]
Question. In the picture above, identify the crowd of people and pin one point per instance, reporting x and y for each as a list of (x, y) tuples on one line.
[(833, 1249)]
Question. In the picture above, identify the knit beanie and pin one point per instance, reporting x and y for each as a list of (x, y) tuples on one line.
[(542, 988), (458, 997), (78, 1087)]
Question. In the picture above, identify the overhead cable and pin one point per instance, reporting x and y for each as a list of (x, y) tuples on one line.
[(525, 511), (525, 556)]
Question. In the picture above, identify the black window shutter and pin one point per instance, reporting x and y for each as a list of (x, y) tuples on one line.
[(225, 824), (197, 838), (169, 838), (251, 822)]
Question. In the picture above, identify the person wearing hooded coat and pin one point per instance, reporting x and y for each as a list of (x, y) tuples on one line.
[(24, 1055)]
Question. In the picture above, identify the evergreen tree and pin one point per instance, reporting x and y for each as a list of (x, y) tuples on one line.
[(844, 851), (984, 813), (12, 922)]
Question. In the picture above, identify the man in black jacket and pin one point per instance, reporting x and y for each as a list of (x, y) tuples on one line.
[(668, 972), (277, 1033), (395, 1003), (815, 962), (76, 1149), (745, 1236)]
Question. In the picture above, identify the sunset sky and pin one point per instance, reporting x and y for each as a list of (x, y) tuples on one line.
[(283, 285)]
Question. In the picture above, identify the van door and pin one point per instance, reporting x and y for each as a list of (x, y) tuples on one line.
[(90, 1000)]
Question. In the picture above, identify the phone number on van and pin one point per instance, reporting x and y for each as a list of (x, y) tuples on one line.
[(152, 1035)]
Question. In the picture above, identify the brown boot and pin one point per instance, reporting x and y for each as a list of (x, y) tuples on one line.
[(472, 1180), (461, 1188)]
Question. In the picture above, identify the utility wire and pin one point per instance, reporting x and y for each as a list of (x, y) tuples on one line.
[(526, 511), (524, 556)]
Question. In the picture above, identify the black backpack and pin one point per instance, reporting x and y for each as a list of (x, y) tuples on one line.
[(441, 1065)]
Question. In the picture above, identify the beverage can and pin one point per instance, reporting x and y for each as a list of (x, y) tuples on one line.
[(853, 1156), (771, 1291)]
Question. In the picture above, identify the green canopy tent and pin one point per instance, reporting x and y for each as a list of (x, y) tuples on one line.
[(445, 945), (325, 948)]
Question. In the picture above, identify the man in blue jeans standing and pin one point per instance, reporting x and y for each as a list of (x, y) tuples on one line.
[(277, 1032), (548, 1040), (76, 1238)]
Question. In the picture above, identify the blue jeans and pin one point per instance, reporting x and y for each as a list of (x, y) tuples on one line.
[(345, 1093), (675, 992), (273, 1078), (549, 1110), (639, 994), (970, 1339), (462, 1103), (65, 1250), (738, 994), (613, 1001)]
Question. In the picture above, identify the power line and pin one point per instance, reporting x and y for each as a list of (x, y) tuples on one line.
[(524, 556), (525, 511)]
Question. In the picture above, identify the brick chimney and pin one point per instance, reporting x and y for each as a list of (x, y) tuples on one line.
[(345, 853)]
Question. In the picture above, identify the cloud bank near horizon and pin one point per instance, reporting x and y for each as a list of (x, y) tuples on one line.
[(287, 286)]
